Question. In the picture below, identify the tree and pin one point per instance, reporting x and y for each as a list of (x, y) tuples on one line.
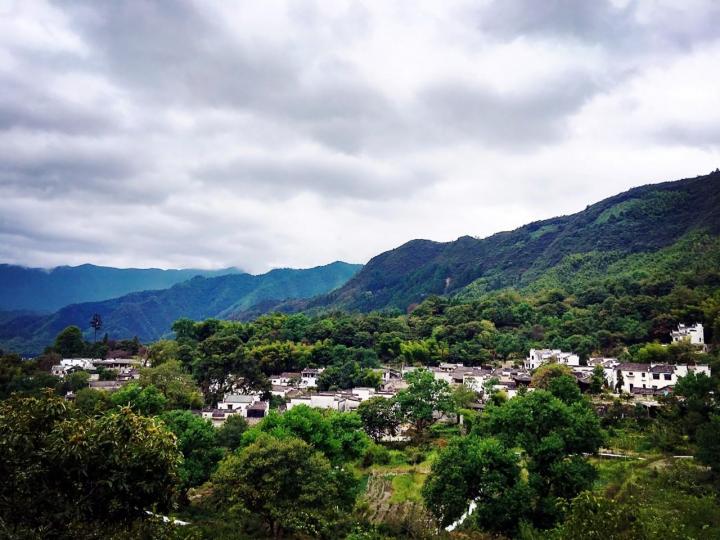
[(197, 440), (230, 433), (544, 374), (597, 381), (287, 484), (479, 470), (337, 435), (708, 440), (423, 397), (74, 381), (380, 417), (177, 386), (90, 401), (463, 396), (162, 351), (69, 342), (565, 388), (59, 469), (146, 401), (554, 437), (96, 324)]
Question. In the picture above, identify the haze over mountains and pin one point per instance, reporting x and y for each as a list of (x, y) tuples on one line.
[(39, 289), (642, 220)]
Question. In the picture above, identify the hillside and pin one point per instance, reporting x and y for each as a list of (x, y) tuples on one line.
[(38, 289), (150, 314), (643, 219)]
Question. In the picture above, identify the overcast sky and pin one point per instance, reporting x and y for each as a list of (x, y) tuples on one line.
[(262, 134)]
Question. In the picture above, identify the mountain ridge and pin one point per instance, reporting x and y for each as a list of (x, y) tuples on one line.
[(49, 289), (644, 218), (150, 314)]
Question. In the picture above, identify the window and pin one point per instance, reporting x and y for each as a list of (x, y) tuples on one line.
[(668, 376), (656, 376), (643, 375)]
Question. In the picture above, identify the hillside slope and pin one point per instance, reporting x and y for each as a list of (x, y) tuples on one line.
[(38, 289), (150, 314), (643, 219)]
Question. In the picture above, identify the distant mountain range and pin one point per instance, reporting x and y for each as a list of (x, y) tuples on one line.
[(646, 219), (150, 314), (643, 219), (38, 289)]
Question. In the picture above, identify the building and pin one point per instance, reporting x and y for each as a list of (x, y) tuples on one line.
[(286, 379), (693, 334), (238, 403), (647, 379), (321, 400), (309, 377), (538, 357)]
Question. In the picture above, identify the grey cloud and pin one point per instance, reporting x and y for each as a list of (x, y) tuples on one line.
[(285, 177), (512, 121)]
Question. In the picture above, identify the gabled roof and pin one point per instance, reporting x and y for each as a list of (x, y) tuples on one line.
[(632, 366)]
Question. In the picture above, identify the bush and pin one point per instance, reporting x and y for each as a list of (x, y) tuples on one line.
[(376, 455)]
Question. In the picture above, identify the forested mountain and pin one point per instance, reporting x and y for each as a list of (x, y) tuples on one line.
[(39, 289), (150, 314), (643, 219)]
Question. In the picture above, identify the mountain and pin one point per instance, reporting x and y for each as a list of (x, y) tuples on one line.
[(38, 289), (150, 314), (643, 219)]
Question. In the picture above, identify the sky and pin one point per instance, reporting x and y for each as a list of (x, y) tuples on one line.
[(208, 134)]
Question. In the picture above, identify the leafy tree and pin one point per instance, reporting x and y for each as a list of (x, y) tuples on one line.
[(288, 485), (337, 435), (197, 440), (177, 386), (230, 433), (74, 381), (69, 342), (479, 470), (162, 351), (380, 417), (145, 401), (565, 388), (597, 381), (544, 374), (423, 397), (708, 440), (554, 436), (59, 469), (348, 375), (463, 396), (90, 401)]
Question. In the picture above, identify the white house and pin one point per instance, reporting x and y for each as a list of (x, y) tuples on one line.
[(286, 379), (653, 378), (538, 357), (321, 400), (694, 334), (609, 366), (237, 402), (309, 377)]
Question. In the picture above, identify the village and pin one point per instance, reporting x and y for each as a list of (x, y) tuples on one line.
[(634, 382)]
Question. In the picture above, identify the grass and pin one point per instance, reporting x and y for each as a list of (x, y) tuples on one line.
[(407, 487)]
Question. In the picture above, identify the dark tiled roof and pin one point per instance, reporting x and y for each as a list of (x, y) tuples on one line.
[(662, 368), (630, 366)]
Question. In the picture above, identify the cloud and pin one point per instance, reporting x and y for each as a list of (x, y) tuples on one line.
[(282, 134)]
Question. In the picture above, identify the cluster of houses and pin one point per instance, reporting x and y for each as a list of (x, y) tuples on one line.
[(127, 370), (299, 388)]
